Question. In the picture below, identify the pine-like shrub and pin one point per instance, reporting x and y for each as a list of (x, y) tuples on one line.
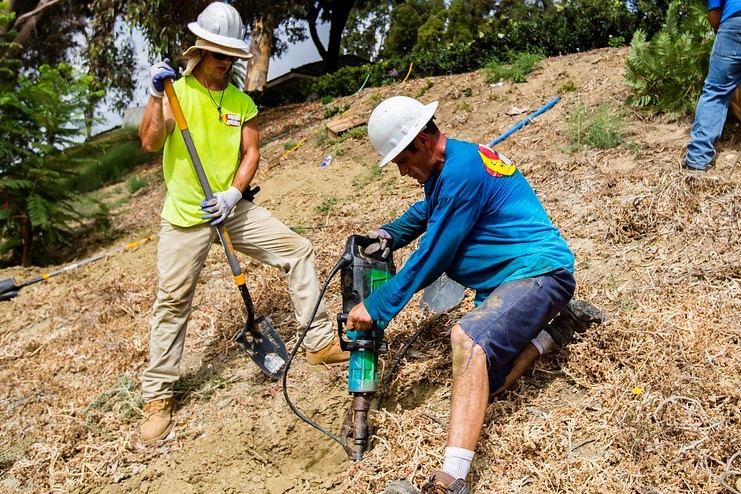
[(666, 75)]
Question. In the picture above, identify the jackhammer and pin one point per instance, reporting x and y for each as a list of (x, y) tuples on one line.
[(360, 278), (361, 275)]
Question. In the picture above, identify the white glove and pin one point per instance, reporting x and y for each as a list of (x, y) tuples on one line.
[(158, 73), (381, 247), (220, 205)]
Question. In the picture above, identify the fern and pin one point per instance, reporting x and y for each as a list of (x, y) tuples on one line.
[(666, 75)]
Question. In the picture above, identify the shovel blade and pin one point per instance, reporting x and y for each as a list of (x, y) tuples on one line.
[(264, 346), (442, 295), (8, 289)]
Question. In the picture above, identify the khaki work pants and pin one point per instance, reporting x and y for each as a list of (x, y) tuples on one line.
[(181, 253)]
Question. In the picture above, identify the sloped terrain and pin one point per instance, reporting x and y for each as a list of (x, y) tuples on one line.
[(647, 402)]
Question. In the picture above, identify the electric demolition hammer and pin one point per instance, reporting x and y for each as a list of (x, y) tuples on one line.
[(360, 276)]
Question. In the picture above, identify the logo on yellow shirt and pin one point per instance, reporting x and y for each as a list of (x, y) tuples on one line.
[(231, 119), (497, 165)]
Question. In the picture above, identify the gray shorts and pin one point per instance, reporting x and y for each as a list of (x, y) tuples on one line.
[(512, 315)]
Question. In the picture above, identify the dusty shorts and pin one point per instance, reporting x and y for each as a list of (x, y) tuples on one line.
[(514, 314)]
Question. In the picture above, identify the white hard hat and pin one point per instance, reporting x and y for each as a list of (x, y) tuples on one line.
[(221, 24), (394, 124)]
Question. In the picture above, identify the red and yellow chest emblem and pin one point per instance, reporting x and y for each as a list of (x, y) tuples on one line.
[(497, 165)]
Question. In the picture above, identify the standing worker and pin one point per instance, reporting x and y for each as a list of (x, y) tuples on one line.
[(484, 226), (724, 76), (224, 130)]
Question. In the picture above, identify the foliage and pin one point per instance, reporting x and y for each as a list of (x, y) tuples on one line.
[(573, 26), (666, 74), (40, 115), (465, 17), (410, 22), (517, 68), (600, 127), (106, 162), (561, 28)]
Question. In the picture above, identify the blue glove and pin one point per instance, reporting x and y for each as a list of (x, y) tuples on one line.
[(158, 73), (220, 205), (381, 246)]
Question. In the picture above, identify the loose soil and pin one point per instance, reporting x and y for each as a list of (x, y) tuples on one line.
[(648, 401)]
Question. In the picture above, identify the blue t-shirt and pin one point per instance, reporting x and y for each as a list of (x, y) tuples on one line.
[(483, 225), (729, 7)]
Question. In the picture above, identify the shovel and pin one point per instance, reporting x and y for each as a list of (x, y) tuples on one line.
[(8, 288), (442, 295), (258, 339)]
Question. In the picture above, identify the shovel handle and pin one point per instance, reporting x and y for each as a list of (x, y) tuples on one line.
[(226, 242)]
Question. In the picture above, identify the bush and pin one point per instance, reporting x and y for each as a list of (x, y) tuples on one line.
[(516, 70), (667, 74), (109, 159), (600, 128)]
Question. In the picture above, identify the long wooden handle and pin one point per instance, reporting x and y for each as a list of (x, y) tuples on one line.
[(226, 242)]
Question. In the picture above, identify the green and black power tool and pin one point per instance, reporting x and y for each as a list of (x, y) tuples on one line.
[(361, 276)]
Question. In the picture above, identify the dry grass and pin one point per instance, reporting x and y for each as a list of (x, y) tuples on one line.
[(648, 402)]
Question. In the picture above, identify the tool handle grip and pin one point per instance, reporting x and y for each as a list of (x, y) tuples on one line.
[(226, 242), (177, 111)]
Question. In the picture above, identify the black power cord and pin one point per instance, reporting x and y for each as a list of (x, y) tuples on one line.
[(344, 261)]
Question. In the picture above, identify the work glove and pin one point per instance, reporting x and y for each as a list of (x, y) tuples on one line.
[(380, 248), (220, 205), (158, 73)]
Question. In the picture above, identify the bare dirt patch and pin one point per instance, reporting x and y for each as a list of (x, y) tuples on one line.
[(647, 402)]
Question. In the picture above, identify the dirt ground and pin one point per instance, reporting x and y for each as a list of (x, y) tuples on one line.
[(648, 402)]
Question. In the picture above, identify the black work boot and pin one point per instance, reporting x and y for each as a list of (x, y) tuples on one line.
[(575, 318)]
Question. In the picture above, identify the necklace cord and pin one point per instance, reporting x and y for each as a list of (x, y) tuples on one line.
[(218, 106)]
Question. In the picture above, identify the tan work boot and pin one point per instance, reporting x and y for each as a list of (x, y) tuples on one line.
[(330, 354), (157, 422)]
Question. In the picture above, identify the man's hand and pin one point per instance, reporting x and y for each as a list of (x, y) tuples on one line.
[(359, 319), (158, 73), (220, 205), (380, 248)]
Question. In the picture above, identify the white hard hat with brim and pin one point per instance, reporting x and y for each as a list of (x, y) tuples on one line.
[(394, 124)]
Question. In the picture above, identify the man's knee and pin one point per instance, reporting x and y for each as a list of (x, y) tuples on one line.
[(464, 349)]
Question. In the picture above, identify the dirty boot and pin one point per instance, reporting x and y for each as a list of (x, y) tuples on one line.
[(443, 483), (575, 318), (157, 421), (401, 486), (330, 354)]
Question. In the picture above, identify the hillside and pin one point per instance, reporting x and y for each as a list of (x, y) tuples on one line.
[(648, 402)]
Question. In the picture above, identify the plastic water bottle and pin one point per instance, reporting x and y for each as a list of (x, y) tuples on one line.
[(326, 161)]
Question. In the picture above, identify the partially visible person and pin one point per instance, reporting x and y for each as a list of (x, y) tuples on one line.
[(724, 76), (222, 123), (481, 223)]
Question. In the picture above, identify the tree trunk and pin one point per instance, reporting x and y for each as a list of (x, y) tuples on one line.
[(311, 18), (340, 13), (256, 73), (26, 240)]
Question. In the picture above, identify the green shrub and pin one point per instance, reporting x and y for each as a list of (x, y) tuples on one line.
[(515, 70), (107, 160), (667, 74), (600, 128), (136, 182)]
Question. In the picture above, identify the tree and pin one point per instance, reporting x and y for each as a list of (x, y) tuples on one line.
[(465, 17), (414, 24), (40, 115)]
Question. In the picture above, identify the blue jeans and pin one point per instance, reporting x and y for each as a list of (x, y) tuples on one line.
[(724, 75)]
